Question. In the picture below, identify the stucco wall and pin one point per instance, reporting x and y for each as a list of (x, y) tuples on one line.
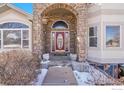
[(94, 19), (113, 14), (14, 16), (113, 52), (102, 15)]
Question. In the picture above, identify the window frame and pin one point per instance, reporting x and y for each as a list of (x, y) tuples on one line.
[(21, 46), (105, 36), (60, 28), (7, 25), (96, 36), (3, 30), (22, 38), (0, 39)]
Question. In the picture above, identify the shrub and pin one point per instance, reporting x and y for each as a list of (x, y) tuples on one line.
[(121, 74), (17, 67)]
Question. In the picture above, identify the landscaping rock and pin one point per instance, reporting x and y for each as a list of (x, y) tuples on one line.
[(73, 57), (80, 66), (46, 57), (94, 76)]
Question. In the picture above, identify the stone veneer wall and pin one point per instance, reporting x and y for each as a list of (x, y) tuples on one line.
[(71, 21), (79, 10), (81, 31)]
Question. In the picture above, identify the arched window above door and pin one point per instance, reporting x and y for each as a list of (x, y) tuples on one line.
[(13, 25), (60, 25)]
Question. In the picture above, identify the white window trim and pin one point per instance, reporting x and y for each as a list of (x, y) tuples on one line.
[(21, 29), (92, 37), (0, 40), (22, 40), (120, 36)]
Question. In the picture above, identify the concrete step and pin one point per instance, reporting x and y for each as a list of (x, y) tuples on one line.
[(57, 58)]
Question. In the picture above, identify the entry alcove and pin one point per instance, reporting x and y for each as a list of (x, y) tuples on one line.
[(60, 21)]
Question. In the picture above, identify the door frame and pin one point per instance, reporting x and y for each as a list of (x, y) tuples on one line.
[(64, 41)]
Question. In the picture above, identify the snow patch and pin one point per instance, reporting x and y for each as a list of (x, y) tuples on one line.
[(44, 62), (40, 77), (92, 77), (82, 77), (58, 66)]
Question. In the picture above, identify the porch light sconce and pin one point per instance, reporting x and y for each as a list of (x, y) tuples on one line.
[(45, 20), (44, 32), (78, 39)]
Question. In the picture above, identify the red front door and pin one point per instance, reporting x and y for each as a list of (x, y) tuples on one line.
[(59, 41)]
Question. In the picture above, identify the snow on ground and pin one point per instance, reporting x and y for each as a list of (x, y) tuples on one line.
[(45, 62), (82, 77), (40, 77), (92, 77)]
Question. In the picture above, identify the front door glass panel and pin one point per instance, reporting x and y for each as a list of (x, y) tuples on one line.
[(53, 41), (59, 40)]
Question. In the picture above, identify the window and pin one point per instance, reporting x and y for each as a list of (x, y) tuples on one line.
[(15, 35), (11, 38), (0, 38), (67, 41), (60, 25), (53, 41), (112, 36), (93, 36), (13, 25), (25, 39)]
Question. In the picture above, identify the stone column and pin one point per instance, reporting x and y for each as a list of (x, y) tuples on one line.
[(81, 29), (37, 32)]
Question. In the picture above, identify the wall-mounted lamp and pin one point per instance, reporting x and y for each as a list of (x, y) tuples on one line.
[(78, 38), (45, 32)]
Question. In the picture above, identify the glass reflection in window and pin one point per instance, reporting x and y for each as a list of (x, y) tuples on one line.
[(112, 36), (12, 38), (93, 36), (13, 25), (60, 25)]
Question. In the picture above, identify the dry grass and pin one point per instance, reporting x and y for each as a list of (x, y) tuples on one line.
[(17, 67)]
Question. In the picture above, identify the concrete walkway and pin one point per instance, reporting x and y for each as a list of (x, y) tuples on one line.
[(60, 76)]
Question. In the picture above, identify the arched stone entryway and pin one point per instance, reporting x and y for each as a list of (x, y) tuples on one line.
[(63, 16), (46, 14)]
